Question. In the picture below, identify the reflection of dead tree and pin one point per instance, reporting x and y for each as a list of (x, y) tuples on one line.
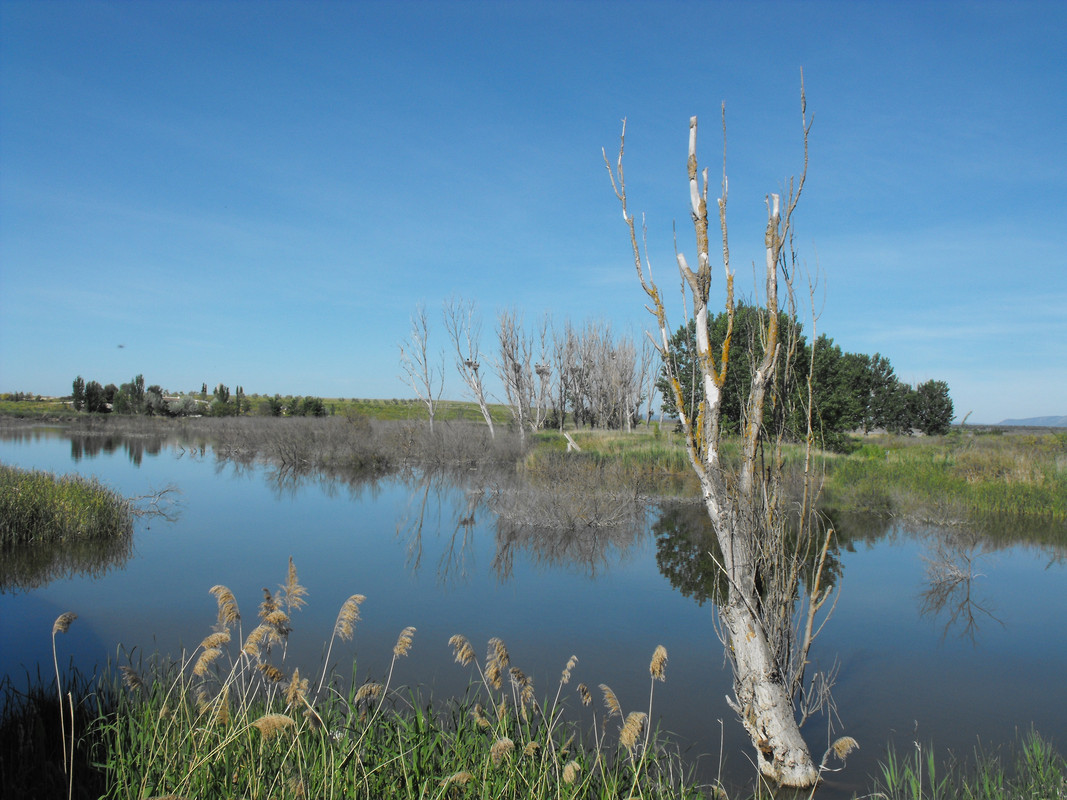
[(586, 546), (573, 521), (747, 506), (950, 573), (452, 566), (160, 504)]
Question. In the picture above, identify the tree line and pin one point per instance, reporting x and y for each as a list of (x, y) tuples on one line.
[(588, 376), (850, 391), (548, 373), (137, 399)]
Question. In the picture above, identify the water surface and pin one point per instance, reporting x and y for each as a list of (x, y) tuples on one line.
[(428, 552)]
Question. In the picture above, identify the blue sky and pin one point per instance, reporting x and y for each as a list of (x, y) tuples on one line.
[(261, 193)]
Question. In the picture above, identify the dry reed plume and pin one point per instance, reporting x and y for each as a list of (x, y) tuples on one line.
[(62, 625), (501, 749), (659, 662), (631, 730), (271, 724), (462, 648), (611, 701), (228, 611), (403, 643)]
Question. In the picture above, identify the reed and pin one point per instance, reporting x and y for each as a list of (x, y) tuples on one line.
[(232, 718), (38, 508), (160, 730)]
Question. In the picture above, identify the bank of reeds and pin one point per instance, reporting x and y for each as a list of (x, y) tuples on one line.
[(233, 719), (39, 507)]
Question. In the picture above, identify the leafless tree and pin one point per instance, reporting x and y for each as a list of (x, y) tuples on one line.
[(423, 372), (514, 367), (542, 368), (465, 330), (765, 548)]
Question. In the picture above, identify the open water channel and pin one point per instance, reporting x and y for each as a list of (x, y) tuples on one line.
[(980, 669)]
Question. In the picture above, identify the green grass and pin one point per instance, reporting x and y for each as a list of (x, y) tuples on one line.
[(45, 408), (38, 507), (406, 409), (954, 476), (1036, 771)]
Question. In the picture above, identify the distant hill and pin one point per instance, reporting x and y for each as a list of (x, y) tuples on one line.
[(1038, 422)]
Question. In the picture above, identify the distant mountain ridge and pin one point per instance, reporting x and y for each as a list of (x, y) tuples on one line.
[(1038, 422)]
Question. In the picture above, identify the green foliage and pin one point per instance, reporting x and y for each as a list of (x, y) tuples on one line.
[(78, 393), (932, 410), (850, 391), (95, 399), (745, 348), (1021, 475)]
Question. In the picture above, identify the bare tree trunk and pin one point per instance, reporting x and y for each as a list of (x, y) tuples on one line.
[(465, 331), (424, 377), (747, 509)]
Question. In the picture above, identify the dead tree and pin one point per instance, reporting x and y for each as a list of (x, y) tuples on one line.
[(465, 330), (766, 555), (514, 367), (424, 376)]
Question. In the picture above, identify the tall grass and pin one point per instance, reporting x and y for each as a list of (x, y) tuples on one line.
[(38, 507), (233, 719), (1035, 772), (955, 476)]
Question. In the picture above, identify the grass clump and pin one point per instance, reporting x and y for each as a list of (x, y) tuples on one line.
[(38, 507), (232, 719), (1036, 772)]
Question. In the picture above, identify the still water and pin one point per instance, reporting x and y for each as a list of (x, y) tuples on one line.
[(427, 551)]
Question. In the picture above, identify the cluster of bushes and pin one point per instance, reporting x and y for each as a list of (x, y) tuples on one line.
[(278, 406)]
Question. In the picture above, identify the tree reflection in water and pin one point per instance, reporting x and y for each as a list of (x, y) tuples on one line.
[(951, 570)]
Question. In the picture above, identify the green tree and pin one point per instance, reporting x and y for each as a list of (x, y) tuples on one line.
[(95, 401), (746, 346), (933, 410), (313, 407), (153, 401), (130, 397), (78, 393)]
